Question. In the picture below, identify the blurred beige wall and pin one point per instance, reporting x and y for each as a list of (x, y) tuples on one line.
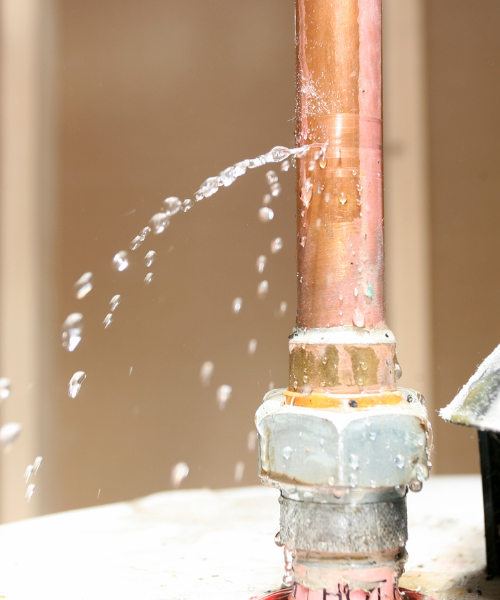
[(463, 64), (152, 98)]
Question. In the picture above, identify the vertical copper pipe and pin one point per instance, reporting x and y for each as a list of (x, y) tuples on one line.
[(340, 249)]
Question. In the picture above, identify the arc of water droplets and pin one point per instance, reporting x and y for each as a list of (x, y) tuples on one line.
[(228, 176)]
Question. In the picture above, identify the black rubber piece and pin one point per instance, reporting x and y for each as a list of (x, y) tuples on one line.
[(489, 450)]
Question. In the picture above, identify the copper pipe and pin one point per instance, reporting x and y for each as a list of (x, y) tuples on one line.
[(340, 250)]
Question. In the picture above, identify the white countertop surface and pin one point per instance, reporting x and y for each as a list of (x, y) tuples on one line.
[(219, 544)]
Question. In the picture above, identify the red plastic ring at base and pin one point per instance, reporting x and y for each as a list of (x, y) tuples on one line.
[(285, 593)]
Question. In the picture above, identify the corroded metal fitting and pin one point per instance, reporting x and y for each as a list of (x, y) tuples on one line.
[(342, 359), (343, 528)]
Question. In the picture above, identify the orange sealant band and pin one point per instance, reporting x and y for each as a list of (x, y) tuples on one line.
[(345, 402)]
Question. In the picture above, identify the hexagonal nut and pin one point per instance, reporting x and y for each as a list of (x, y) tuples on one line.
[(386, 446)]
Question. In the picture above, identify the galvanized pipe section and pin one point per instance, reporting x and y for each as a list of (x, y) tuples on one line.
[(340, 202)]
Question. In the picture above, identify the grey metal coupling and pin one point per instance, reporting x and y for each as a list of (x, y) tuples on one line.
[(385, 447)]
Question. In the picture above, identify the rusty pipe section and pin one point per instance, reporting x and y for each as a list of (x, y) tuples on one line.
[(340, 247)]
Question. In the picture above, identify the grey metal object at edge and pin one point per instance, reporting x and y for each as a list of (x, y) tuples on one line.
[(478, 405)]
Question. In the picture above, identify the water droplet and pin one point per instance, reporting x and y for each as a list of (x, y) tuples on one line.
[(262, 289), (114, 302), (266, 200), (421, 472), (306, 388), (261, 263), (271, 177), (108, 319), (83, 286), (149, 278), (398, 371), (311, 165), (372, 435), (251, 440), (278, 153), (354, 461), (342, 198), (277, 540), (400, 461), (237, 302), (239, 469), (30, 490), (308, 496), (207, 368), (37, 463), (171, 205), (401, 490), (4, 388), (150, 258), (276, 245), (179, 473), (339, 491), (363, 365), (322, 162), (159, 222), (252, 346), (136, 242), (223, 395), (303, 241), (356, 292), (358, 318), (287, 452), (75, 383), (285, 165), (28, 473), (266, 214), (209, 187), (9, 433), (72, 331), (187, 205), (275, 190), (353, 480), (283, 307), (120, 260), (416, 486), (306, 193), (331, 481)]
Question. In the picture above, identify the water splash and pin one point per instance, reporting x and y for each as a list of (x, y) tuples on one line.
[(150, 258), (9, 433), (228, 176), (120, 260), (159, 222), (261, 264), (75, 383), (172, 205), (72, 331), (179, 473), (239, 470), (252, 346), (223, 394), (114, 302), (262, 289), (266, 214), (83, 286), (206, 371), (276, 245), (4, 388)]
